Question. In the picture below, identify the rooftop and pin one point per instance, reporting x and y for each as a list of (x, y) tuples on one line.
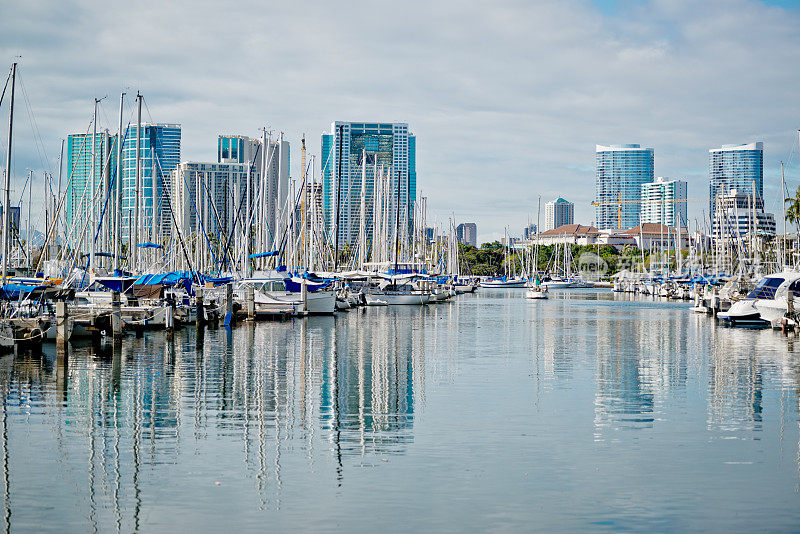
[(571, 229)]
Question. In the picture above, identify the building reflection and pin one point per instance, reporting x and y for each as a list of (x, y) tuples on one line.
[(342, 389)]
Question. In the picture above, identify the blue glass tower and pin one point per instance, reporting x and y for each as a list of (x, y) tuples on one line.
[(79, 172), (160, 153), (389, 145), (739, 167), (621, 171)]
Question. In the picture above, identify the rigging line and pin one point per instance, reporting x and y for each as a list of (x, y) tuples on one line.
[(8, 78), (37, 136), (241, 205)]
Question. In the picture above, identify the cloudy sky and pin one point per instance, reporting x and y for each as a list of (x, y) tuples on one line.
[(507, 98)]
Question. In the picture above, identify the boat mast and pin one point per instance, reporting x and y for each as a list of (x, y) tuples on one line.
[(783, 195), (138, 184), (93, 177), (338, 199), (362, 230), (535, 270), (7, 192), (397, 224), (118, 187)]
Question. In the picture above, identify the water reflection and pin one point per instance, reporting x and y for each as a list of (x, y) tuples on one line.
[(268, 411), (339, 388)]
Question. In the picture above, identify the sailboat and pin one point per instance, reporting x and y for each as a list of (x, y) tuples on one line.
[(535, 289)]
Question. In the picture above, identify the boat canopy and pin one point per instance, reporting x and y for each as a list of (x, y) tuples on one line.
[(264, 254), (167, 279), (12, 291), (149, 245)]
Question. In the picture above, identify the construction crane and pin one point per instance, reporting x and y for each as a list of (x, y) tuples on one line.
[(621, 202)]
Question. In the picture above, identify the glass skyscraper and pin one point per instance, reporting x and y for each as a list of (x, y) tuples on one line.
[(739, 167), (79, 175), (621, 171), (389, 145), (160, 153)]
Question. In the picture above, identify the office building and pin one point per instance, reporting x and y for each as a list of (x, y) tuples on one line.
[(621, 171), (160, 153), (386, 148), (664, 202), (557, 213), (739, 167), (737, 215), (529, 232), (467, 233), (275, 190), (79, 177), (217, 209)]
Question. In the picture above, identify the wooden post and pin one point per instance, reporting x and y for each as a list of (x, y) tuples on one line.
[(62, 324), (304, 294), (200, 318), (251, 302), (116, 318)]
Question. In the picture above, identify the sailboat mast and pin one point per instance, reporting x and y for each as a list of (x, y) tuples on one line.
[(138, 186), (7, 191), (118, 187), (397, 225), (338, 199), (362, 230), (93, 178), (783, 195)]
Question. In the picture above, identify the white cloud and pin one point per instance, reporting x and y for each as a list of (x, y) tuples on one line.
[(507, 98)]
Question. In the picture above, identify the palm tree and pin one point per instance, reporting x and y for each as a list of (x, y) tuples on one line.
[(793, 208), (793, 211)]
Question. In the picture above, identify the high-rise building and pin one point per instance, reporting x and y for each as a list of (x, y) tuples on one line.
[(390, 148), (739, 167), (79, 175), (557, 213), (664, 202), (160, 153), (248, 151), (738, 214), (218, 206), (529, 232), (467, 233), (621, 171)]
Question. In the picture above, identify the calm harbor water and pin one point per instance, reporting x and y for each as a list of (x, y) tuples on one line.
[(588, 411)]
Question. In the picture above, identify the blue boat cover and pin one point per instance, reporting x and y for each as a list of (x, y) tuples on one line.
[(264, 254)]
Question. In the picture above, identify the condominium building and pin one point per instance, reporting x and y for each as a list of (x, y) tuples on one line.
[(275, 189), (385, 150), (160, 153), (737, 214), (529, 232), (621, 171), (739, 167), (208, 198), (80, 176), (467, 233), (664, 202), (557, 213)]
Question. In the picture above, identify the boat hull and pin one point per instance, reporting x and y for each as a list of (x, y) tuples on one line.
[(387, 299)]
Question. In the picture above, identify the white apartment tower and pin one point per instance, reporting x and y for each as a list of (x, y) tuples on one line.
[(557, 213), (664, 202)]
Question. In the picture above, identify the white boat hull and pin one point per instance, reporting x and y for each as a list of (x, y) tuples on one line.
[(388, 299)]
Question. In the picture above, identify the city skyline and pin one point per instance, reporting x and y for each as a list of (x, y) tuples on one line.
[(652, 73)]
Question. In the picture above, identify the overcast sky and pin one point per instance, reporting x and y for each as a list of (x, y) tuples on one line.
[(507, 98)]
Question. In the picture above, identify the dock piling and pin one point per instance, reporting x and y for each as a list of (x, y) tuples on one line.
[(116, 318), (251, 303)]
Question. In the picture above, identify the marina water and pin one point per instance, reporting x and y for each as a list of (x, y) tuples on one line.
[(587, 411)]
